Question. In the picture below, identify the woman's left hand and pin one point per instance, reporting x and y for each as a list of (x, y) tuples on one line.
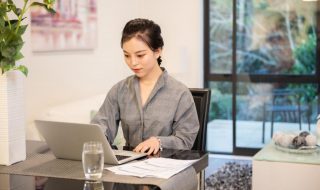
[(152, 145)]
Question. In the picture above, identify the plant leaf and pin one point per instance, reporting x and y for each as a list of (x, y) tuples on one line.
[(6, 67), (17, 11), (47, 7), (49, 3), (8, 52), (23, 69), (18, 56), (11, 41), (2, 13), (22, 29), (2, 23), (2, 8), (13, 22), (12, 7)]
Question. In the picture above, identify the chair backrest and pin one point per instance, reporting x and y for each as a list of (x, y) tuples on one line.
[(287, 96), (201, 98), (288, 104)]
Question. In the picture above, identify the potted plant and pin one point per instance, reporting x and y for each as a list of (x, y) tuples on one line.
[(12, 123), (12, 30)]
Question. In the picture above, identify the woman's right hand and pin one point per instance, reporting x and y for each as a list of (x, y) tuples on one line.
[(151, 146)]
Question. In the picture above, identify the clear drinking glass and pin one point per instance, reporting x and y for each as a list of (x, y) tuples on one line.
[(92, 160)]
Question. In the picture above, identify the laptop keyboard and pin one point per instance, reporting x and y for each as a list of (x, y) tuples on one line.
[(121, 157)]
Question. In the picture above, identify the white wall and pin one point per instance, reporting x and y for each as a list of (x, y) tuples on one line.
[(58, 77)]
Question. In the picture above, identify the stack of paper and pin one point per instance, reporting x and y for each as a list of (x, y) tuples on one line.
[(153, 167)]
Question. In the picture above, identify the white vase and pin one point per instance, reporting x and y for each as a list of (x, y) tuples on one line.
[(12, 118)]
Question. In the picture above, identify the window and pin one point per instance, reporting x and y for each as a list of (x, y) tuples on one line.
[(254, 50)]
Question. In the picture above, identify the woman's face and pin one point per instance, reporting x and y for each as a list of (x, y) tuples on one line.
[(139, 57)]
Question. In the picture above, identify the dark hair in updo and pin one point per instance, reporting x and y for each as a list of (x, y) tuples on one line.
[(145, 30)]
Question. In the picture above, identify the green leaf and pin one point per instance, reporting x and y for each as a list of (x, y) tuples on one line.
[(6, 22), (11, 41), (17, 11), (49, 2), (6, 67), (14, 22), (2, 13), (22, 29), (18, 45), (23, 69), (7, 61), (38, 4), (2, 23), (12, 7), (47, 7), (51, 10), (8, 52), (2, 9), (18, 56), (9, 37)]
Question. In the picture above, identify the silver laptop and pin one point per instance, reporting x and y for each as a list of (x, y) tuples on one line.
[(66, 140)]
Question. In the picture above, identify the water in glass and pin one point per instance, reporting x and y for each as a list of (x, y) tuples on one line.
[(92, 160)]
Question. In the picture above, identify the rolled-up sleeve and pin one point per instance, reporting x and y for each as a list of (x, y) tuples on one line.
[(185, 125), (108, 115)]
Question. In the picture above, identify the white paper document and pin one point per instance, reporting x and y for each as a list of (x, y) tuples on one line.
[(153, 167)]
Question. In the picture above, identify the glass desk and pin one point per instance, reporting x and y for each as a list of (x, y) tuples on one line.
[(21, 182), (41, 164)]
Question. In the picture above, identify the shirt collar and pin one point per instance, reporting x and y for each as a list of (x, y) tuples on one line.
[(161, 80), (160, 83)]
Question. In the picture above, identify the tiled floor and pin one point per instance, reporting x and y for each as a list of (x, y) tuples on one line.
[(249, 133)]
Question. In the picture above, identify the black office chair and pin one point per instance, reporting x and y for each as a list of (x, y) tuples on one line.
[(201, 97)]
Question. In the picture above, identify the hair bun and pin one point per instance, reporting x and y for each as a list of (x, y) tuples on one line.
[(159, 60)]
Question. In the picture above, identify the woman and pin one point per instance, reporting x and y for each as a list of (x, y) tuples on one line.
[(155, 110)]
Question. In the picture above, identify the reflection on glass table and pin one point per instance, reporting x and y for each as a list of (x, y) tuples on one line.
[(20, 182), (94, 185)]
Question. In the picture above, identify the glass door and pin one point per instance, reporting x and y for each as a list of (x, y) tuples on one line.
[(261, 65)]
